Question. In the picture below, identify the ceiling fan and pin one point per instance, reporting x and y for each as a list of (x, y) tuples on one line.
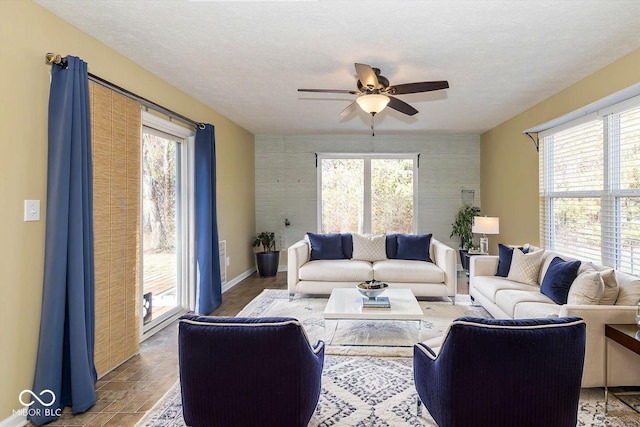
[(375, 93)]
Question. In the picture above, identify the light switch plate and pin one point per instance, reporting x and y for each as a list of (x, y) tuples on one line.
[(32, 210)]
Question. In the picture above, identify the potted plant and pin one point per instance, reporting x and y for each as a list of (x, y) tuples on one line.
[(268, 258), (461, 227)]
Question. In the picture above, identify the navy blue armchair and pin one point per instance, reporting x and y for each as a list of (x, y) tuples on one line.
[(248, 371), (495, 373)]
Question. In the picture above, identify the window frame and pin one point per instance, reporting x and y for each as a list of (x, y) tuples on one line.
[(611, 194), (367, 157), (186, 215)]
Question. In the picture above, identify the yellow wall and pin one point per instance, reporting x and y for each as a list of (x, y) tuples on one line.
[(28, 32), (509, 161)]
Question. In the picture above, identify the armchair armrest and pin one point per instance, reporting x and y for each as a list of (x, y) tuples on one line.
[(426, 350), (297, 256), (445, 258)]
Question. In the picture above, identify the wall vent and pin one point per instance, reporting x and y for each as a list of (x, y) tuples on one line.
[(222, 248)]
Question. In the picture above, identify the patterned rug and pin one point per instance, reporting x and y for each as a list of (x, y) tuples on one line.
[(363, 337), (379, 391), (375, 388)]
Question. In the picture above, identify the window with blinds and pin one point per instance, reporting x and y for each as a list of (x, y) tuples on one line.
[(590, 187)]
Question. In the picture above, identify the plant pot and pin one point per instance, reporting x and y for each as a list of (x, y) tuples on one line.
[(464, 261), (267, 263)]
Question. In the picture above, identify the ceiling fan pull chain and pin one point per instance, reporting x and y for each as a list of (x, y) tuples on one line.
[(373, 132)]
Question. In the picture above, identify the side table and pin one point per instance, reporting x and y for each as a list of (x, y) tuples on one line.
[(627, 336), (466, 256)]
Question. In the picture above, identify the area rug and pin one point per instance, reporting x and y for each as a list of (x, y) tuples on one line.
[(379, 391), (363, 337)]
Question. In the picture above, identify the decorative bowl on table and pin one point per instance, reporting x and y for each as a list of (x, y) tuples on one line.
[(372, 288)]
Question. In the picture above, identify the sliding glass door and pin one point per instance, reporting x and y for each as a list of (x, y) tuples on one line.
[(165, 221)]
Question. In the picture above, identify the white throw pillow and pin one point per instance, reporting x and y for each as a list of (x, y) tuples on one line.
[(629, 293), (586, 289), (525, 267), (369, 247), (611, 287)]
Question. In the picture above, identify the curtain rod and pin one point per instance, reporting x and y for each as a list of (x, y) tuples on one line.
[(51, 58)]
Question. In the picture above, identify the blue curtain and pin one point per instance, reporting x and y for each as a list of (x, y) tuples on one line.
[(65, 364), (209, 285)]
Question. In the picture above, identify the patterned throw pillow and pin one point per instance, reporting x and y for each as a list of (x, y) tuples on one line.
[(525, 267), (505, 255), (587, 289), (368, 247)]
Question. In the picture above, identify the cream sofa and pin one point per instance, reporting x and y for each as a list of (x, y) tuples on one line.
[(425, 279), (504, 298)]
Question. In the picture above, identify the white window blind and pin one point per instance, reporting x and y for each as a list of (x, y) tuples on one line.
[(624, 135), (590, 188)]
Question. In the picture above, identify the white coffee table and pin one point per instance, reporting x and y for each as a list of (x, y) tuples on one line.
[(346, 304)]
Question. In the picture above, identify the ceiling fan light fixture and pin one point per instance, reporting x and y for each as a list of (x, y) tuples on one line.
[(372, 103)]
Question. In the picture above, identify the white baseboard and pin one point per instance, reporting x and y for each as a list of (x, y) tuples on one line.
[(241, 277), (14, 421), (231, 283)]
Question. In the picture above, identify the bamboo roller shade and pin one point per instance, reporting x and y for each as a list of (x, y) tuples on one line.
[(115, 131)]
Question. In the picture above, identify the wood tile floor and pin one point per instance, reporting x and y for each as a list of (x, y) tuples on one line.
[(127, 392)]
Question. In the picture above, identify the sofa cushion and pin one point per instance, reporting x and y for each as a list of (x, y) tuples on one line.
[(508, 299), (406, 271), (587, 289), (336, 270), (533, 310), (490, 285), (414, 247), (525, 267), (558, 279), (325, 246), (369, 247), (505, 254)]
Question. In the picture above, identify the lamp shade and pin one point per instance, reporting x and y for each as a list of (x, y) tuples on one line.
[(486, 225), (373, 103)]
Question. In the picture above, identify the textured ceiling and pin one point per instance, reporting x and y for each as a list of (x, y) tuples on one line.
[(246, 60)]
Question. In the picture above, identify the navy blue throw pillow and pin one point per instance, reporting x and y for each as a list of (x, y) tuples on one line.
[(392, 246), (414, 247), (347, 245), (505, 255), (325, 246), (558, 279)]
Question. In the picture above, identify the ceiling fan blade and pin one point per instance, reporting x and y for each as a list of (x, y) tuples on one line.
[(418, 87), (367, 76), (401, 106), (352, 92), (350, 109)]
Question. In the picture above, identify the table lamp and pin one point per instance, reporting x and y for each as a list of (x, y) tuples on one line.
[(485, 225)]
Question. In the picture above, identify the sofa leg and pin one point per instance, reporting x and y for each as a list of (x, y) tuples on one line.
[(453, 300), (418, 406)]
